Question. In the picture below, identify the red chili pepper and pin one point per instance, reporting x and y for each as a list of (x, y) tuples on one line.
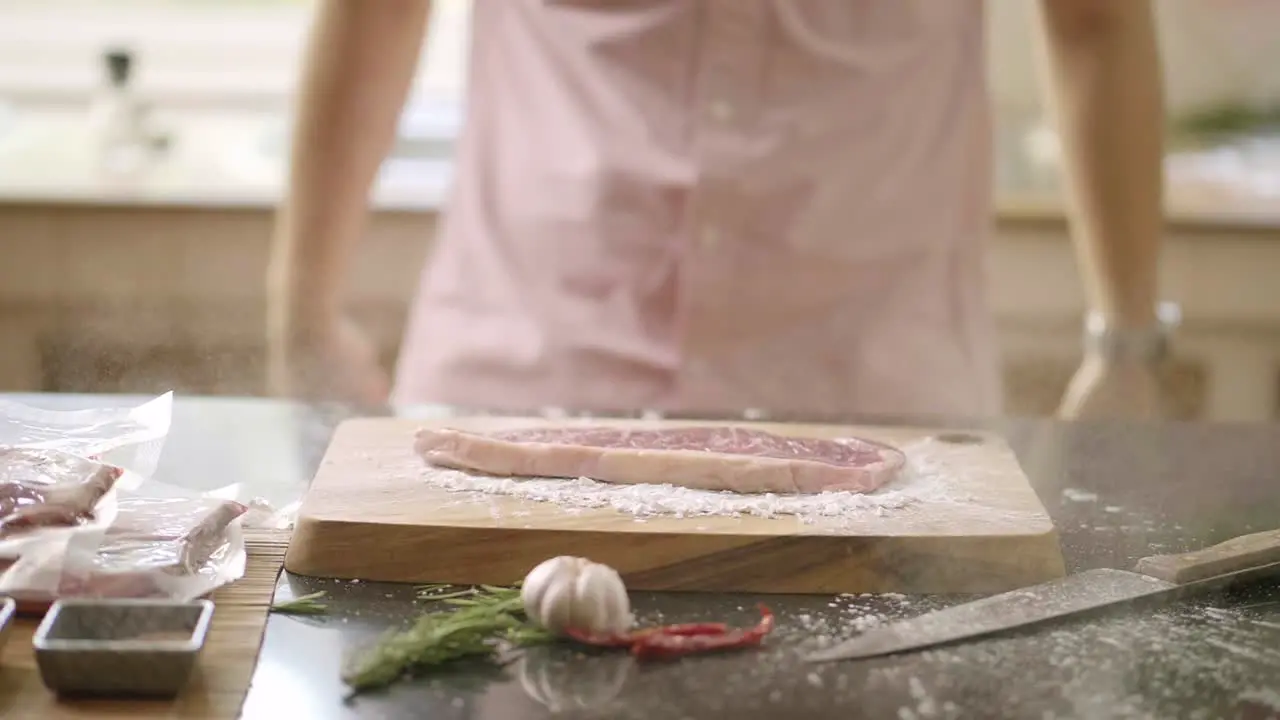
[(676, 640), (666, 646), (631, 638), (687, 629)]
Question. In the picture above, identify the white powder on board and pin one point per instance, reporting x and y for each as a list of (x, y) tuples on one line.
[(931, 475)]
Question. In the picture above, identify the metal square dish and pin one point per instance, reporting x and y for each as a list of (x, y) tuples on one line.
[(8, 608), (121, 647)]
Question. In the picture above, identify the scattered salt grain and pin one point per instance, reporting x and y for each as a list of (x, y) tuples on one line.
[(1265, 697), (926, 706), (1076, 495)]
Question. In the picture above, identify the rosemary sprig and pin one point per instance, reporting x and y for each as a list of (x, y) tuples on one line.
[(480, 622), (302, 605), (489, 592)]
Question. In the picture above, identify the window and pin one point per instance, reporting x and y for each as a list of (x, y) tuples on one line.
[(203, 51)]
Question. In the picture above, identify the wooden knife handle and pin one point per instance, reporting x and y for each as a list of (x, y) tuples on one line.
[(1242, 553)]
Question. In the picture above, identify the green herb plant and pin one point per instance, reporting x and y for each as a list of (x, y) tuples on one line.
[(302, 605), (477, 622)]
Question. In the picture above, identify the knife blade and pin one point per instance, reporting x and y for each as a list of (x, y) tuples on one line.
[(1155, 580)]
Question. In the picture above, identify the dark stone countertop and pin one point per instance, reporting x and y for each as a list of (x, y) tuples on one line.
[(1116, 492)]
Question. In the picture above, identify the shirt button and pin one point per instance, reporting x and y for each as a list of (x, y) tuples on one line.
[(709, 238), (721, 111)]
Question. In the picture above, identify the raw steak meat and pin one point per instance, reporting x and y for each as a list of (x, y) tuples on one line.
[(707, 458), (49, 488)]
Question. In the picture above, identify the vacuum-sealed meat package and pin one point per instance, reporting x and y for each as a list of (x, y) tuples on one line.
[(177, 548), (48, 489), (130, 437), (174, 535), (80, 515)]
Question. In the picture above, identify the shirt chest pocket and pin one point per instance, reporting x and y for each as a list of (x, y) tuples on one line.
[(606, 6), (870, 34)]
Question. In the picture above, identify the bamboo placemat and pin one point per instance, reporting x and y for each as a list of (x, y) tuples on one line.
[(221, 679)]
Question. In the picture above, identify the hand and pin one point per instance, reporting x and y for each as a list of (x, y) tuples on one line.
[(1103, 389), (336, 362)]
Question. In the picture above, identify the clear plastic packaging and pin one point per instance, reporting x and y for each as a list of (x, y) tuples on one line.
[(55, 462), (128, 437), (108, 530), (176, 548), (261, 515), (43, 489)]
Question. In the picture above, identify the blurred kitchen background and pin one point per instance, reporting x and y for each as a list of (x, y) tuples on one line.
[(142, 145)]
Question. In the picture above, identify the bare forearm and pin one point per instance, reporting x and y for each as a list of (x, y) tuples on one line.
[(1105, 77), (359, 64)]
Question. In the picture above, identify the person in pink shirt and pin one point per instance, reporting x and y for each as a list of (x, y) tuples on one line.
[(718, 205)]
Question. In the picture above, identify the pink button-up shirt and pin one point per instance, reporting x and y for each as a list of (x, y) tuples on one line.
[(714, 205)]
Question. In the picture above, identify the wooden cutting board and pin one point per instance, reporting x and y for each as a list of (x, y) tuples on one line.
[(371, 514)]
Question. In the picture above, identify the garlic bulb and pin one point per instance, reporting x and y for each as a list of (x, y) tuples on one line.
[(564, 684), (573, 592)]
